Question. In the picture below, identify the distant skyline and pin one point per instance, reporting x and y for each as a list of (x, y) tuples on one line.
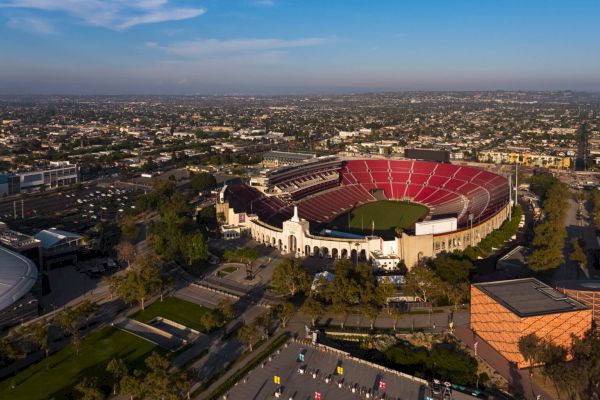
[(296, 47)]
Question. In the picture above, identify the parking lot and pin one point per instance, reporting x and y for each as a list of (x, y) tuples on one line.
[(319, 373)]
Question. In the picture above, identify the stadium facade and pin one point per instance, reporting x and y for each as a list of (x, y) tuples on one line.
[(294, 205)]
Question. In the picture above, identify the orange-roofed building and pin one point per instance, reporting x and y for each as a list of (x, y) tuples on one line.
[(504, 311)]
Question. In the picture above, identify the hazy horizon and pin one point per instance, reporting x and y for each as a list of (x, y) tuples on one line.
[(278, 47)]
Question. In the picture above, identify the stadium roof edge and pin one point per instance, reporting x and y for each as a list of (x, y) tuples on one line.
[(18, 274)]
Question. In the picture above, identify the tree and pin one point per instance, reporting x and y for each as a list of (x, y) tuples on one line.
[(210, 320), (371, 313), (422, 282), (548, 244), (203, 181), (8, 350), (451, 268), (163, 381), (529, 347), (39, 336), (226, 308), (456, 293), (71, 318), (118, 369), (195, 249), (131, 387), (352, 285), (129, 228), (312, 308), (385, 290), (586, 365), (88, 389), (249, 335), (285, 311), (397, 315), (290, 278), (114, 283), (126, 252), (342, 309), (141, 282)]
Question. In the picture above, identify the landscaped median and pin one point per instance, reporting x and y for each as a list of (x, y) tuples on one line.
[(253, 363)]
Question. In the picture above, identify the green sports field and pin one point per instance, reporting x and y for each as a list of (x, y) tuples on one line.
[(387, 215)]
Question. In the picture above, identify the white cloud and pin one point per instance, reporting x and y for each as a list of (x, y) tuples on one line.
[(31, 24), (113, 14), (264, 3), (215, 47)]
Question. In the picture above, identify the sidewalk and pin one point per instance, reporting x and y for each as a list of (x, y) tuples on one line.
[(236, 365), (517, 378)]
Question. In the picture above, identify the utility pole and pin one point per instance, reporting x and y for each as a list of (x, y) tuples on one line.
[(15, 208), (22, 209), (517, 184), (510, 189)]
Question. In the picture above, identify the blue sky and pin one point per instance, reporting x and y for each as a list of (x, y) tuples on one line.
[(303, 46)]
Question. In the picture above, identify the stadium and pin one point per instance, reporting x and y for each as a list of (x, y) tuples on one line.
[(383, 210)]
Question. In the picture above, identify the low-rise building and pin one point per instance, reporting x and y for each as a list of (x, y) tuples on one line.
[(525, 159), (59, 246), (502, 312)]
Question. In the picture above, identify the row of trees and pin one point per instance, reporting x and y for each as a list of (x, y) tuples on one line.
[(354, 288), (445, 279), (159, 380), (549, 240), (39, 335), (578, 378), (250, 334), (595, 199)]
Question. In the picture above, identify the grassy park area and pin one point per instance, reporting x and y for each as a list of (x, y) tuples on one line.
[(55, 376), (177, 310), (385, 215)]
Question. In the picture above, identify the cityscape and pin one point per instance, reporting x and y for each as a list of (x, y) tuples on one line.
[(249, 200)]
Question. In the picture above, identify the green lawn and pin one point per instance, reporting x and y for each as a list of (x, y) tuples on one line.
[(66, 369), (386, 215), (177, 310)]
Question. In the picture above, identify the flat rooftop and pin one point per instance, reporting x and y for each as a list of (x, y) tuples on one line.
[(529, 297), (16, 240)]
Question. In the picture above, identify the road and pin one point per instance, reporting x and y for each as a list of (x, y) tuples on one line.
[(580, 228)]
